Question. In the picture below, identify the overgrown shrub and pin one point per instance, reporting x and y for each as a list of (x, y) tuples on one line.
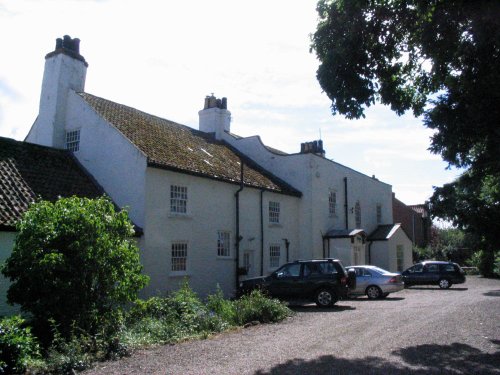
[(17, 345), (257, 307), (222, 307), (73, 262), (488, 263)]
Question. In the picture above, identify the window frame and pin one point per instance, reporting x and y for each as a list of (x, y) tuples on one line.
[(332, 203), (185, 248), (400, 258), (357, 215), (379, 213), (72, 140), (223, 244), (274, 212), (179, 200), (276, 247)]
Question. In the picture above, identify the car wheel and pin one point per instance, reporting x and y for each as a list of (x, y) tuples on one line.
[(325, 298), (444, 283), (373, 292)]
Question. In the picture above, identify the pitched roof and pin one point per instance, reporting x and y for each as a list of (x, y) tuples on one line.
[(344, 233), (28, 171), (383, 232), (177, 147)]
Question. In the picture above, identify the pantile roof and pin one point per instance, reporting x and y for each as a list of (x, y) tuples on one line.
[(29, 171), (177, 147)]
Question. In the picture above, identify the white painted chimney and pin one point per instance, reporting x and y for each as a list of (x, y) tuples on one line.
[(214, 117), (65, 70)]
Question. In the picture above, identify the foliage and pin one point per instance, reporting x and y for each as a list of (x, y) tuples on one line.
[(438, 58), (183, 315), (257, 307), (17, 345), (488, 263), (73, 263)]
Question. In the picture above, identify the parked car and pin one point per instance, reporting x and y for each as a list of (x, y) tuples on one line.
[(375, 282), (323, 281), (444, 274)]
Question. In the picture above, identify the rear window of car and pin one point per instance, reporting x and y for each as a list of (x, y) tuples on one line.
[(448, 268), (432, 268), (319, 268)]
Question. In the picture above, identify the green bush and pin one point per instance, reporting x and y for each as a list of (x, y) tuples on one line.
[(488, 263), (222, 307), (257, 307), (73, 262), (17, 345)]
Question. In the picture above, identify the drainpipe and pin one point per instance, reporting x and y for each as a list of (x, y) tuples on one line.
[(262, 232), (346, 208), (238, 236)]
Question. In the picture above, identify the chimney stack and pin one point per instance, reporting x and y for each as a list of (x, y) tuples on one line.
[(314, 147), (65, 71), (214, 117)]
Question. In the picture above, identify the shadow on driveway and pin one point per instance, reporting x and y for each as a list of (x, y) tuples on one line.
[(315, 309), (492, 293), (456, 358), (437, 288)]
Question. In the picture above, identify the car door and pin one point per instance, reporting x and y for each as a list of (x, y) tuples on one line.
[(430, 274), (284, 282), (363, 277), (414, 275)]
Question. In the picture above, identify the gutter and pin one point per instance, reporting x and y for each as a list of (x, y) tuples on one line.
[(238, 236), (346, 207)]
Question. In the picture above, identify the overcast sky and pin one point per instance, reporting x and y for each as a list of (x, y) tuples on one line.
[(164, 57)]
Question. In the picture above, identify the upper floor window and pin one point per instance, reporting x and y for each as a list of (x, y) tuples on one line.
[(274, 212), (223, 244), (332, 203), (179, 256), (178, 199), (379, 213), (73, 140), (357, 214)]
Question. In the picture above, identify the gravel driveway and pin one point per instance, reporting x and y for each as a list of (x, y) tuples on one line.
[(421, 330)]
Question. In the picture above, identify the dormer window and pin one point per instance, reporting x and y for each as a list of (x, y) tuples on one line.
[(73, 140)]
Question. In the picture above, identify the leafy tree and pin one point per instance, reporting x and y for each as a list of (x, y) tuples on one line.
[(438, 58), (73, 264)]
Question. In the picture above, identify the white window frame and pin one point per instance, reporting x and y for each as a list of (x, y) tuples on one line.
[(274, 255), (357, 214), (223, 244), (72, 140), (179, 253), (332, 203), (274, 212), (178, 199)]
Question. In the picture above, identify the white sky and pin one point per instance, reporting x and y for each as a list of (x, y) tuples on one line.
[(164, 57)]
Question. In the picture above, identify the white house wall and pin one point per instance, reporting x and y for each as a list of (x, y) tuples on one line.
[(6, 246), (211, 207), (113, 161), (383, 253), (315, 176)]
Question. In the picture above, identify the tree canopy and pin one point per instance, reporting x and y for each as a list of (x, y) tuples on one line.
[(437, 58), (73, 263)]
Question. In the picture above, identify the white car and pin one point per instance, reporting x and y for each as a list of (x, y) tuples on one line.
[(375, 282)]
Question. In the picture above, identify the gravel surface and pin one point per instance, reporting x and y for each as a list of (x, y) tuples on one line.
[(421, 330)]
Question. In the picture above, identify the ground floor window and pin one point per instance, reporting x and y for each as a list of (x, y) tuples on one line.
[(400, 257), (223, 244), (179, 257), (274, 255)]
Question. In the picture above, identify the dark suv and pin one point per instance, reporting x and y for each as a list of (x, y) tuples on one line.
[(433, 272), (323, 281)]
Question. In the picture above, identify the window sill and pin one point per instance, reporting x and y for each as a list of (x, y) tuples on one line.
[(179, 274), (224, 258), (275, 225), (180, 216)]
